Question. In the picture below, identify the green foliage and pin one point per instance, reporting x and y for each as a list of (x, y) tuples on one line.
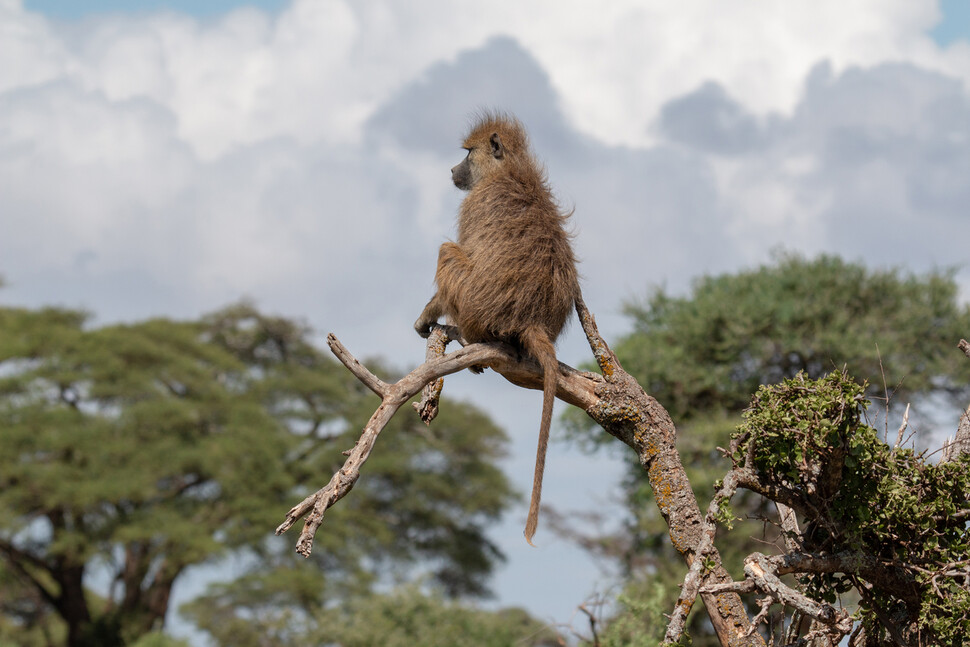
[(25, 621), (144, 449), (156, 639), (807, 438), (125, 440), (710, 350), (801, 432), (407, 616), (639, 619)]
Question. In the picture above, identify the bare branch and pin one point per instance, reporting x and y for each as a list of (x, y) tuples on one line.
[(427, 408), (765, 604), (360, 371), (744, 586), (762, 571), (592, 624), (696, 575), (605, 358), (902, 428), (574, 387)]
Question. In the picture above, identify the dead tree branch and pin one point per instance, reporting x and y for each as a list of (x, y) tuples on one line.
[(614, 400), (695, 574), (575, 387), (961, 442), (762, 572), (427, 408), (628, 413)]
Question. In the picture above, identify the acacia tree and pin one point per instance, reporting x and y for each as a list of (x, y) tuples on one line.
[(709, 351), (804, 462), (132, 452), (123, 449), (706, 352)]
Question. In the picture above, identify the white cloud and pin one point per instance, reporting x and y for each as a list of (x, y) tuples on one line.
[(321, 67), (872, 164)]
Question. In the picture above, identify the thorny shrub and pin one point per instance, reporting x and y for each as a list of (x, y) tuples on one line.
[(808, 440)]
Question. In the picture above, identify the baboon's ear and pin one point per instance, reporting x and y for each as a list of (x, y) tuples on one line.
[(498, 150)]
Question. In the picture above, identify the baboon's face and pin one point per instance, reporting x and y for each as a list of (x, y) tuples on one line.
[(462, 174), (483, 158)]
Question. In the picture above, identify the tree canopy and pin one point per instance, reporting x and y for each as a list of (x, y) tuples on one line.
[(133, 452), (406, 616), (708, 351)]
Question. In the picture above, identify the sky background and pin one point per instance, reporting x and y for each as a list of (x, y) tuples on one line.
[(169, 158)]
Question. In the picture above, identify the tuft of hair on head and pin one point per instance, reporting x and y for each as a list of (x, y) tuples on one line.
[(509, 129)]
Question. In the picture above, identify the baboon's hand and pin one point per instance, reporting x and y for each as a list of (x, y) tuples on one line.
[(423, 327)]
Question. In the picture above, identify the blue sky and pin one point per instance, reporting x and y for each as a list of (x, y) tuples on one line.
[(955, 24)]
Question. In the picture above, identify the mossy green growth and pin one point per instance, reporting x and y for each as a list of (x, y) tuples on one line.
[(809, 439)]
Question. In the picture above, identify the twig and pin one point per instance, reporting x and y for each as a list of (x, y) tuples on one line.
[(427, 408), (964, 345), (744, 586), (902, 428), (592, 624), (695, 575), (605, 357), (765, 604)]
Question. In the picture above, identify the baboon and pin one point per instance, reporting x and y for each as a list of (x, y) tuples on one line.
[(511, 276)]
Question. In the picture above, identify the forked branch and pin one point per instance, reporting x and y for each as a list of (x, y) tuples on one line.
[(613, 399), (574, 387)]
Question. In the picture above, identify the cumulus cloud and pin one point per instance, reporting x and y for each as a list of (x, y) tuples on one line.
[(320, 68), (873, 163)]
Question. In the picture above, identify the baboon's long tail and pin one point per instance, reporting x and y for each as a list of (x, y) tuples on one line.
[(537, 343)]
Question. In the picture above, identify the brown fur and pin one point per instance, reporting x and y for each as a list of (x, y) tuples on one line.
[(511, 276)]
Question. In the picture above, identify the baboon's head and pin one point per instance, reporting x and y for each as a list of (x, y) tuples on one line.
[(493, 143)]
